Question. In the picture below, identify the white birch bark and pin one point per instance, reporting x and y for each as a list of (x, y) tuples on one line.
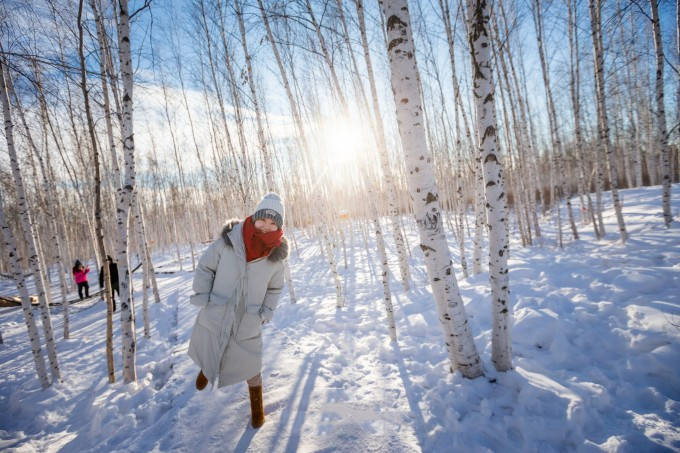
[(661, 129), (603, 124), (98, 229), (384, 160), (387, 294), (48, 190), (554, 124), (124, 198), (406, 90), (26, 224), (141, 246), (10, 247), (479, 12), (574, 89), (148, 263), (268, 168), (478, 182), (340, 300)]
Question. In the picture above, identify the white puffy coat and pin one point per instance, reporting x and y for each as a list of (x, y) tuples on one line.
[(235, 297)]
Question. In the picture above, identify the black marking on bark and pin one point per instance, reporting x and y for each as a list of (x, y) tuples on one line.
[(395, 42), (436, 279), (490, 157), (426, 248), (404, 101), (490, 183), (430, 197), (490, 131), (394, 21)]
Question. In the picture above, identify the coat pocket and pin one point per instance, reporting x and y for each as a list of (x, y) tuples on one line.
[(251, 324), (216, 318)]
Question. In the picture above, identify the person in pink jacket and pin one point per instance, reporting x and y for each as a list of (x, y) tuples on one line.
[(80, 275)]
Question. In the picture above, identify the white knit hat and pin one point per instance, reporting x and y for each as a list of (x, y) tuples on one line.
[(271, 206)]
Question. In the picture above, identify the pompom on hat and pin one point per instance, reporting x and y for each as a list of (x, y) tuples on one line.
[(270, 207)]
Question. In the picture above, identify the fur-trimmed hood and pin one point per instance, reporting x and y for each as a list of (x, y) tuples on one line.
[(277, 254)]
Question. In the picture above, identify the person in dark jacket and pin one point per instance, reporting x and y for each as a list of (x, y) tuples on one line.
[(113, 272), (80, 276)]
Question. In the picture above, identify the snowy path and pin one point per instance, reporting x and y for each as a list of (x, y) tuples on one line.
[(595, 342)]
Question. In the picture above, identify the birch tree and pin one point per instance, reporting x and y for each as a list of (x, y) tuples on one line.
[(124, 198), (27, 223), (382, 150), (49, 209), (423, 191), (552, 119), (479, 13), (99, 227), (661, 129), (10, 247), (603, 123)]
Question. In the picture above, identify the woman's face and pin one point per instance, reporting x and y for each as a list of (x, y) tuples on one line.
[(265, 225)]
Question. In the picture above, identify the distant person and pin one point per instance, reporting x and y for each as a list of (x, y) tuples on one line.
[(237, 285), (80, 276), (113, 272)]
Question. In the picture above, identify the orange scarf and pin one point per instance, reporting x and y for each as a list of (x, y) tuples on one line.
[(259, 244)]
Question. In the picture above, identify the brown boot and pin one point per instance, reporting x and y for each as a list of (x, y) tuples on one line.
[(256, 407), (201, 381)]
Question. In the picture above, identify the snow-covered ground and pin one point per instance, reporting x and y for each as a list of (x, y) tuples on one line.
[(595, 341)]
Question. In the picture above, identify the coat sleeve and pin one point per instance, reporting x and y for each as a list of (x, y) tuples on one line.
[(101, 277), (205, 275), (271, 297)]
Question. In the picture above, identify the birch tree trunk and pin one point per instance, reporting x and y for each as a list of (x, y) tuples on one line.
[(554, 125), (406, 90), (268, 169), (384, 160), (387, 294), (10, 247), (124, 199), (603, 124), (26, 223), (479, 213), (574, 89), (661, 129), (99, 228), (146, 259), (50, 210), (479, 12), (141, 246)]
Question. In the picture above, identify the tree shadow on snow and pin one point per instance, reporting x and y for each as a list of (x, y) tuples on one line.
[(310, 369), (418, 419)]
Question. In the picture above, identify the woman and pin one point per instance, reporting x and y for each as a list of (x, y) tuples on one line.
[(80, 276), (237, 285)]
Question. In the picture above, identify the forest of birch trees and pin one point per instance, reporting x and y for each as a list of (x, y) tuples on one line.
[(136, 128)]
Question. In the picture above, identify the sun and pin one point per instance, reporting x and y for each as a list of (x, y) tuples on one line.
[(344, 141)]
